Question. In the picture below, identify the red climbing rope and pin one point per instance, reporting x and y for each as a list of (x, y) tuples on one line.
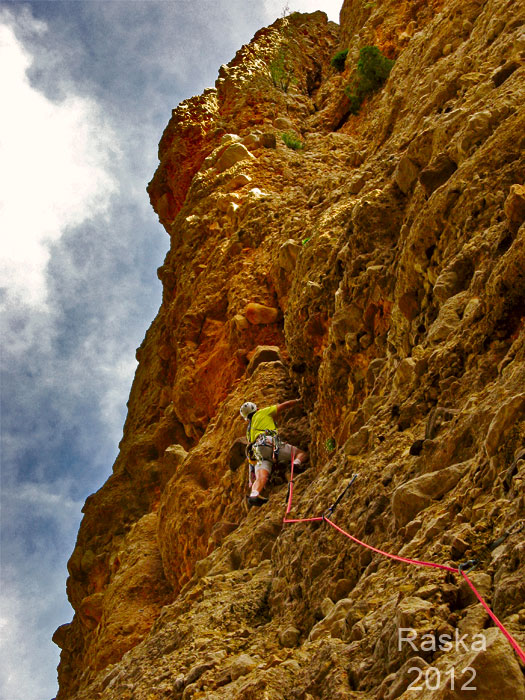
[(305, 520), (290, 487), (289, 505), (519, 651), (391, 556)]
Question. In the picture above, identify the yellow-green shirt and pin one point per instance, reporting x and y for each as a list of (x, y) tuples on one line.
[(262, 420)]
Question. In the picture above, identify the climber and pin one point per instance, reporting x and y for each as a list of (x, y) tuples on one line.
[(265, 446)]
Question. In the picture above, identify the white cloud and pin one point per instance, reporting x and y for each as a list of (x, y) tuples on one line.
[(24, 640), (33, 602), (275, 8), (18, 654), (55, 168), (117, 375), (49, 501)]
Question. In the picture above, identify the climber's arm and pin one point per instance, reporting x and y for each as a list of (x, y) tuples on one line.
[(286, 405)]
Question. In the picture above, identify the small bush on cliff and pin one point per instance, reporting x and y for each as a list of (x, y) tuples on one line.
[(280, 73), (291, 140), (330, 445), (339, 60), (372, 71)]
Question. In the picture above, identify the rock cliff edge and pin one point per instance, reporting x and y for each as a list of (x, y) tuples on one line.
[(375, 268)]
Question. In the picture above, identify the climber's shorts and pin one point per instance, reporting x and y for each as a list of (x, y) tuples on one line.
[(265, 453), (285, 453)]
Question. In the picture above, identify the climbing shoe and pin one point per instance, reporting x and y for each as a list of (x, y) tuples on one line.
[(257, 500)]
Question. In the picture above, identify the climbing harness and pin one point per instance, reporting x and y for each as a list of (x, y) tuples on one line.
[(266, 438), (269, 438), (462, 569)]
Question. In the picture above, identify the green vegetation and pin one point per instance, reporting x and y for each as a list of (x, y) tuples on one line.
[(292, 141), (304, 241), (330, 445), (338, 61), (280, 73), (372, 71)]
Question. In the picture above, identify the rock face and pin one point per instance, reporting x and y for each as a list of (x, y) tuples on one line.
[(379, 274)]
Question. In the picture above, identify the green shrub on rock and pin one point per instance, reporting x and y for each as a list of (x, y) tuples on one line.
[(372, 71), (280, 73), (292, 141), (330, 445), (338, 61)]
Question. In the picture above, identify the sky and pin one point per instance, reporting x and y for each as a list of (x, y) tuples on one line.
[(87, 88)]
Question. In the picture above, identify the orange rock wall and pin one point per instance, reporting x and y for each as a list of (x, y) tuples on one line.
[(383, 264)]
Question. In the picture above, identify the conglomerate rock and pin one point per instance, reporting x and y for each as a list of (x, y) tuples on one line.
[(378, 273)]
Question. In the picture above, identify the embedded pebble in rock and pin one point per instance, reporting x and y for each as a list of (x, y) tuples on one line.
[(288, 253), (406, 174), (260, 314), (417, 494), (233, 154), (515, 206), (377, 275), (506, 417), (289, 637), (241, 666), (263, 353)]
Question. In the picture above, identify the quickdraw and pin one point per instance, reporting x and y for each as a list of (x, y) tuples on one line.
[(340, 498), (514, 529)]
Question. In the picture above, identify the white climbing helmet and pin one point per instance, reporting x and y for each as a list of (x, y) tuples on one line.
[(247, 409)]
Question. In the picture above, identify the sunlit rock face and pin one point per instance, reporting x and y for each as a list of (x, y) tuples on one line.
[(375, 268)]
